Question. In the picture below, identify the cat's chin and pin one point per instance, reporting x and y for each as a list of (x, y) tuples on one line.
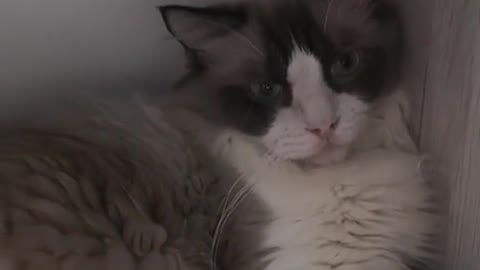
[(325, 157), (328, 156)]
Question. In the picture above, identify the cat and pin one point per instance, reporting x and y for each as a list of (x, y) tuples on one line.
[(283, 147), (109, 183), (315, 127)]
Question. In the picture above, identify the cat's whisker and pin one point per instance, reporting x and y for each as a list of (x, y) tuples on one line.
[(134, 202), (243, 38), (236, 201), (220, 223), (327, 16), (228, 209), (250, 43), (225, 200)]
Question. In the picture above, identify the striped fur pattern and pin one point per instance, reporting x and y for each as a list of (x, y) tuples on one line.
[(128, 192)]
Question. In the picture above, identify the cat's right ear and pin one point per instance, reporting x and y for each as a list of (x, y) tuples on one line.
[(197, 28)]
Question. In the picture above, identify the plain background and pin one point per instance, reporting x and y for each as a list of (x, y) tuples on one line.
[(63, 45)]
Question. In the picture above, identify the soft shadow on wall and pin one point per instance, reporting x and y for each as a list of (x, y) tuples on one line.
[(61, 45)]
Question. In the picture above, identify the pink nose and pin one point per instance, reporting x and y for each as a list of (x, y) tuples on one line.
[(323, 129)]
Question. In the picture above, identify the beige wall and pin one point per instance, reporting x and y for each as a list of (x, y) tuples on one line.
[(444, 78), (64, 44)]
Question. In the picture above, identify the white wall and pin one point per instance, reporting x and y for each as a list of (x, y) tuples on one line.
[(450, 128), (48, 45)]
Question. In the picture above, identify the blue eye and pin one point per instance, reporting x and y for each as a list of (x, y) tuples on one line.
[(265, 90), (346, 65)]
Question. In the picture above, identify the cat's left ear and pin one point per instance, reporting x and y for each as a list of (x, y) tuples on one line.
[(196, 27)]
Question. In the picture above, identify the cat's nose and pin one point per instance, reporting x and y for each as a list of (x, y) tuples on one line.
[(323, 129)]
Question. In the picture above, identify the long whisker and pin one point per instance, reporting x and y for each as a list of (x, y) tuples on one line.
[(229, 208), (221, 221), (224, 203), (239, 198), (242, 37), (327, 16)]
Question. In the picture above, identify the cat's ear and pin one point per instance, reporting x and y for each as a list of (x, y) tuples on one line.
[(197, 27)]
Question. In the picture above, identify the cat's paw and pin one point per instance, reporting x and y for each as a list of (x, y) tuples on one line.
[(142, 238)]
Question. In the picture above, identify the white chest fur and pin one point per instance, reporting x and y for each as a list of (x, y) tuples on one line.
[(367, 214)]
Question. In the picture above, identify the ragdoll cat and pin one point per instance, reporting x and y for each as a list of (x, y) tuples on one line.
[(279, 150), (305, 89)]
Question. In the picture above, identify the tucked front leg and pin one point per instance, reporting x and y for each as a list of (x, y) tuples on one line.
[(143, 237)]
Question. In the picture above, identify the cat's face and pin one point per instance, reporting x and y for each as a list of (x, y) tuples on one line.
[(298, 80)]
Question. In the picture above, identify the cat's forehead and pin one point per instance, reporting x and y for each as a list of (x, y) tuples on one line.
[(275, 29), (280, 28), (287, 20), (342, 22)]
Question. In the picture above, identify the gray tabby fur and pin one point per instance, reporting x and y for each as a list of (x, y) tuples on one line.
[(93, 187)]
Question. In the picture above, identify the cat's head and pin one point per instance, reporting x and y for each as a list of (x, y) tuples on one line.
[(298, 76)]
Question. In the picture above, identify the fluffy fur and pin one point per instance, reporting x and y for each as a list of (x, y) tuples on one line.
[(284, 147), (325, 99), (115, 186), (278, 76), (372, 211)]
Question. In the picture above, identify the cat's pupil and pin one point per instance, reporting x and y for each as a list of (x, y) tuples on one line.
[(347, 62), (265, 92), (265, 89), (346, 65)]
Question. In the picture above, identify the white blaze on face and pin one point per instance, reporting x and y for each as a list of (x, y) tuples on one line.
[(310, 92), (315, 106)]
